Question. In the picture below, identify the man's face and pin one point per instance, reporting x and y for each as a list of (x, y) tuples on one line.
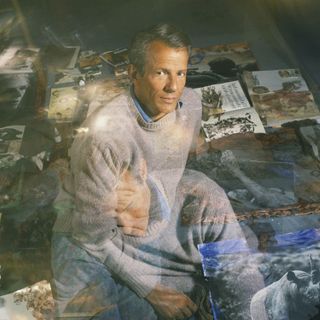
[(164, 78)]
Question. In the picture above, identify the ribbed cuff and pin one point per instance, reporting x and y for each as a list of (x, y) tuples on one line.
[(142, 285)]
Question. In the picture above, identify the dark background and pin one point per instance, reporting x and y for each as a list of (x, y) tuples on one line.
[(101, 23), (281, 33)]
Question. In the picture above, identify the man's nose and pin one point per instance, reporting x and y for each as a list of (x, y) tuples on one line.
[(171, 84)]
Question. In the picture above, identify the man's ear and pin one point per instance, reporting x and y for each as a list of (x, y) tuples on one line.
[(133, 72)]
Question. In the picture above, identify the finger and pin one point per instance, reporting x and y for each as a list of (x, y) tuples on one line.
[(120, 209), (122, 205), (133, 232), (140, 225), (186, 305), (131, 183), (124, 199), (126, 187), (125, 220), (178, 314), (125, 193), (187, 312), (122, 195), (134, 213), (123, 202), (182, 314), (191, 305)]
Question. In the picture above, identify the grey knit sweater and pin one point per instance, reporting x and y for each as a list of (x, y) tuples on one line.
[(117, 138)]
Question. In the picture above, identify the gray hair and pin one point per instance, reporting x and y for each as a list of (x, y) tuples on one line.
[(166, 33)]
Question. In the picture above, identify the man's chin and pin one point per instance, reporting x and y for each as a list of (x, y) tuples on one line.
[(168, 107)]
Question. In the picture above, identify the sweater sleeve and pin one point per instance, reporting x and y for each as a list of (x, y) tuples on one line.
[(94, 222), (95, 176)]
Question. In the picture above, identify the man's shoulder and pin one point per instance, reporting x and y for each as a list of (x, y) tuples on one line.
[(113, 115), (116, 105), (105, 142), (107, 128)]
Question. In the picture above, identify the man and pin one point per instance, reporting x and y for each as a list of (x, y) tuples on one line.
[(131, 250)]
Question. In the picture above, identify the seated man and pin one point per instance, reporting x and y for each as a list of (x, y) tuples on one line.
[(128, 249)]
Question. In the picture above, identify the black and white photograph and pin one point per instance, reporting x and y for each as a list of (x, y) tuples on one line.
[(11, 139), (289, 266), (14, 90), (226, 111), (281, 96), (219, 63), (63, 103), (18, 60)]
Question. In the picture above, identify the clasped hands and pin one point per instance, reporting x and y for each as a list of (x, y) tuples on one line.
[(133, 206)]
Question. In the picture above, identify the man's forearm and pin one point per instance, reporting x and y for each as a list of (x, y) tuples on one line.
[(137, 275)]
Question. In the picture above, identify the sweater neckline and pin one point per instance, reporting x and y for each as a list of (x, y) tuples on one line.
[(167, 120)]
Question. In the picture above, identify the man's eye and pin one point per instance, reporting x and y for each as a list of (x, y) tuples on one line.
[(160, 73), (181, 74)]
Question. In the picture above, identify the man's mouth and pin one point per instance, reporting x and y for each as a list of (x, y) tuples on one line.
[(169, 99)]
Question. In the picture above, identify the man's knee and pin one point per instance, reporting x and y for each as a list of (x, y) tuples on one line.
[(199, 185), (204, 201), (90, 302), (81, 285)]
